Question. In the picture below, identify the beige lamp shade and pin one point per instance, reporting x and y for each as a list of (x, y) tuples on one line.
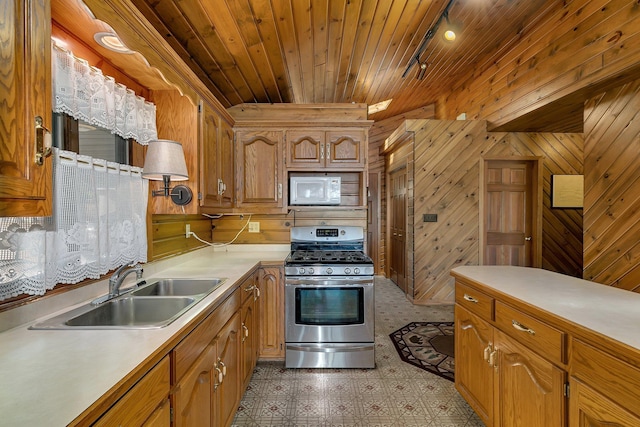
[(165, 158)]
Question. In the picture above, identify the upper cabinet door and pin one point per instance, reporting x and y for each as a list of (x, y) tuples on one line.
[(305, 148), (316, 149), (25, 91), (216, 160), (346, 148), (260, 175)]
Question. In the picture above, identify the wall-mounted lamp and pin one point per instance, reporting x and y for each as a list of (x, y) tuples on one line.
[(449, 35), (165, 162)]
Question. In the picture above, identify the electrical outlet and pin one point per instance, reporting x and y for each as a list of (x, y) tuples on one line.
[(254, 227), (188, 231)]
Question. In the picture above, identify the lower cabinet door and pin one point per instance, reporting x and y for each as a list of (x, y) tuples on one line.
[(193, 397), (474, 375), (530, 389), (227, 394), (588, 408)]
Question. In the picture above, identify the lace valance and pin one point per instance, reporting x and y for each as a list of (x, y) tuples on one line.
[(84, 93)]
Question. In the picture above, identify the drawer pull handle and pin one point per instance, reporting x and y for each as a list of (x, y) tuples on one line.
[(224, 367), (519, 326), (249, 288), (220, 378), (492, 359), (487, 352), (470, 298)]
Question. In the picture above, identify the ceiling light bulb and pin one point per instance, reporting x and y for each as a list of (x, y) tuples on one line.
[(112, 42), (449, 35)]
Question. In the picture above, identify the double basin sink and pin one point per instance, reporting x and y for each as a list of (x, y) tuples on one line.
[(147, 306)]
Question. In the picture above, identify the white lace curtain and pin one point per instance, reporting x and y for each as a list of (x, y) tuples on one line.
[(84, 93), (99, 224)]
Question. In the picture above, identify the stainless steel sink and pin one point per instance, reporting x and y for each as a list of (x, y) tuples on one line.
[(151, 306), (143, 312), (179, 287)]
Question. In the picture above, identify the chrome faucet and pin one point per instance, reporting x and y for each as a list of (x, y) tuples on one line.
[(118, 277)]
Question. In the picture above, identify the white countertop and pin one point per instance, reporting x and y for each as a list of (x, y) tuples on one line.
[(49, 377), (609, 311)]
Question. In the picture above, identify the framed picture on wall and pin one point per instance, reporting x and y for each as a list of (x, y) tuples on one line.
[(567, 191)]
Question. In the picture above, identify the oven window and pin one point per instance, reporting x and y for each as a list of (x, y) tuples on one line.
[(330, 306)]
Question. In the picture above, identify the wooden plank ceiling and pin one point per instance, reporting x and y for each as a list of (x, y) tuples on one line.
[(325, 51)]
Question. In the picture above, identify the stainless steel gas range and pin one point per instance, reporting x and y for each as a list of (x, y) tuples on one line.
[(329, 302)]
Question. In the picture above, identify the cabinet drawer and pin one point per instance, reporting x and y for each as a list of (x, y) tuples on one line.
[(608, 375), (186, 353), (475, 301), (142, 400), (545, 340)]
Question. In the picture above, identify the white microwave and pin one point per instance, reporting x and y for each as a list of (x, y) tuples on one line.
[(314, 190)]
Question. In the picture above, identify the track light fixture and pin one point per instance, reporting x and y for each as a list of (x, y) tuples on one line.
[(449, 35)]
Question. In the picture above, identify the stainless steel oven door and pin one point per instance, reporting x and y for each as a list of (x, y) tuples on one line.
[(329, 310)]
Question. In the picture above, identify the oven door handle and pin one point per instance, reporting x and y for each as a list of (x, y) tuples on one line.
[(327, 348), (307, 281)]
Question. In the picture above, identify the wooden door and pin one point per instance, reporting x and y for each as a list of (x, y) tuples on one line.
[(228, 391), (192, 398), (271, 313), (509, 212), (373, 219), (398, 227), (474, 375), (25, 91), (260, 182), (346, 148), (530, 390), (588, 408), (305, 148)]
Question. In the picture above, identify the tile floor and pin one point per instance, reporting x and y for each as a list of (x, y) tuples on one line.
[(395, 393)]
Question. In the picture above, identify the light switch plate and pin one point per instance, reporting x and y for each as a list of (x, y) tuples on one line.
[(254, 227)]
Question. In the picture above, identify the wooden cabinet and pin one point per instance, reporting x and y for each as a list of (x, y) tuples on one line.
[(271, 313), (227, 392), (206, 369), (25, 88), (604, 390), (512, 374), (249, 323), (529, 389), (589, 408), (193, 396), (519, 364), (145, 403), (474, 375), (216, 160), (319, 149), (260, 180)]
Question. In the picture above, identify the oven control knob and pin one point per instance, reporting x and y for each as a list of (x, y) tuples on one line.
[(310, 270), (329, 270), (301, 270), (347, 270), (356, 270)]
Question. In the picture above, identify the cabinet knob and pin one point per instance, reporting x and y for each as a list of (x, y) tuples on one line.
[(528, 238)]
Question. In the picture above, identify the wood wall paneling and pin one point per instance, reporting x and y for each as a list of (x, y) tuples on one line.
[(576, 51), (612, 198), (167, 234), (275, 228), (176, 119), (447, 183)]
